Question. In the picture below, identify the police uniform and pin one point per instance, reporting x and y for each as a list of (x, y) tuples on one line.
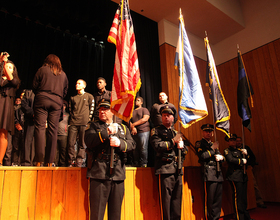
[(238, 180), (104, 185), (213, 178), (166, 170)]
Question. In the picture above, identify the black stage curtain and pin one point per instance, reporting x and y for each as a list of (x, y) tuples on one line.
[(28, 41)]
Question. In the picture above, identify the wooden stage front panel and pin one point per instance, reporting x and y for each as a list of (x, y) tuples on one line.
[(30, 193)]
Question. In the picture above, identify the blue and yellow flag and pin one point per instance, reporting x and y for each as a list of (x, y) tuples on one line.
[(192, 105), (244, 91), (220, 108)]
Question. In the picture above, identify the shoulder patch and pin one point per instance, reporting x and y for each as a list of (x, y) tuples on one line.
[(197, 144), (226, 151), (153, 131)]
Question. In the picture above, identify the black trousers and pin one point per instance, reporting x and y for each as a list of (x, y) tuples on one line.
[(73, 132), (18, 144), (213, 198), (7, 160), (103, 191), (170, 193), (60, 159), (240, 200), (46, 110), (28, 152)]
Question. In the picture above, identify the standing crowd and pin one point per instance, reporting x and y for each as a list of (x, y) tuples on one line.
[(40, 128)]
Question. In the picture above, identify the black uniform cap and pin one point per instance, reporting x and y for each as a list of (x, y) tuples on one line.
[(231, 136), (104, 103), (167, 109), (207, 127)]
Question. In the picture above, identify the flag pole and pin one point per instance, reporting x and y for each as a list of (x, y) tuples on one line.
[(112, 152), (215, 134), (243, 144), (179, 127), (242, 127)]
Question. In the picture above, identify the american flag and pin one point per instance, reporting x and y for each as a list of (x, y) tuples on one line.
[(126, 79)]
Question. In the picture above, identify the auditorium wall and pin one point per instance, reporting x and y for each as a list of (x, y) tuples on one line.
[(263, 69)]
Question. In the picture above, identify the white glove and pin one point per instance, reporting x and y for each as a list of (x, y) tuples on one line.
[(115, 142), (180, 144), (177, 138), (219, 157), (244, 161), (244, 151), (113, 128)]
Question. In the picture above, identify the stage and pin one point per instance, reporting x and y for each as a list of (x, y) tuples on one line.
[(59, 193)]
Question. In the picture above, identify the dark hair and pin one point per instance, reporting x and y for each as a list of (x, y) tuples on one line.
[(101, 79), (139, 97), (54, 63), (15, 72)]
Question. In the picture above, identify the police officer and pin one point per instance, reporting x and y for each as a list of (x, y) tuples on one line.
[(167, 143), (236, 159), (209, 156), (107, 186)]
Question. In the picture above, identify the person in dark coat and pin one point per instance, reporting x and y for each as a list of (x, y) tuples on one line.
[(210, 158), (27, 103), (106, 182), (237, 176), (155, 110), (18, 137), (167, 144), (9, 83), (102, 93), (50, 86), (252, 162)]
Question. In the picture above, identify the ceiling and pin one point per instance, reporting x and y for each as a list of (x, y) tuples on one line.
[(199, 16)]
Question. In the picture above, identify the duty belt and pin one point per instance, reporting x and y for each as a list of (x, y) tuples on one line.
[(107, 157), (169, 158)]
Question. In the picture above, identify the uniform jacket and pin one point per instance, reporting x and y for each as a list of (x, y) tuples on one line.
[(235, 170), (207, 159), (166, 152), (97, 140)]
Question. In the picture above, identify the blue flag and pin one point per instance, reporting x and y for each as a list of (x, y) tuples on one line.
[(220, 108), (244, 91), (192, 105)]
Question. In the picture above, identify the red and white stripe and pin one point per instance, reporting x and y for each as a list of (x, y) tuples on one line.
[(126, 79)]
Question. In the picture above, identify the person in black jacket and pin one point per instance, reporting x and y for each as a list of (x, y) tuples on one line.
[(236, 175), (106, 183), (167, 144), (50, 86), (209, 157), (155, 110), (81, 108), (27, 102), (252, 162), (9, 83), (18, 137)]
